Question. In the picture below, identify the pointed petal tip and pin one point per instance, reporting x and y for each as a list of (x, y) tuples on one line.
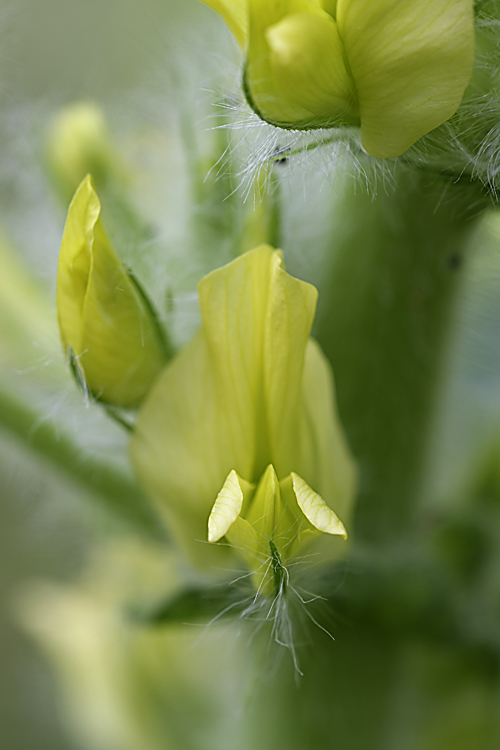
[(86, 186), (269, 472), (235, 15), (226, 509), (317, 512)]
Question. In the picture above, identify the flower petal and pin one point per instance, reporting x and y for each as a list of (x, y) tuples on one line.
[(235, 14), (308, 66), (233, 302), (178, 447), (265, 509), (264, 13), (411, 63), (256, 322), (74, 263), (317, 512), (330, 6), (222, 403), (263, 92), (226, 509), (324, 458), (252, 551), (103, 316), (243, 539), (290, 313)]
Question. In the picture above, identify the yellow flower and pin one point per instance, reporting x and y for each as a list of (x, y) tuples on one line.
[(399, 68), (240, 431), (78, 142), (107, 325)]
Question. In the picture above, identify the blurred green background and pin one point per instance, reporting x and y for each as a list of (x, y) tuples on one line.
[(135, 58), (53, 52)]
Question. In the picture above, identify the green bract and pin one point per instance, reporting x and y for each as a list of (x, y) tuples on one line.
[(106, 323), (240, 431), (399, 68)]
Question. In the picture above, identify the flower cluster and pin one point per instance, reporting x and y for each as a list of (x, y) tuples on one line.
[(238, 433), (398, 68)]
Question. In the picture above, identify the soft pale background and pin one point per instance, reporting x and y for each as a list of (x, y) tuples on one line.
[(53, 52), (120, 53)]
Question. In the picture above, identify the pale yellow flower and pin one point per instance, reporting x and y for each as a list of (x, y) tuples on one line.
[(240, 434), (399, 68), (78, 143)]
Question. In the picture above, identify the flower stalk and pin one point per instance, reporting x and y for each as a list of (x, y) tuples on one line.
[(386, 326)]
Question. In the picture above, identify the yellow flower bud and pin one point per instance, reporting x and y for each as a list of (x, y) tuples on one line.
[(240, 433), (107, 324), (78, 143), (398, 68)]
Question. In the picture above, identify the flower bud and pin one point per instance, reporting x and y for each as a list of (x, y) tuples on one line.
[(398, 68), (78, 143), (107, 324)]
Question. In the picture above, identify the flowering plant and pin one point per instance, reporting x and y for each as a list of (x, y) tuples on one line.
[(399, 69), (292, 454)]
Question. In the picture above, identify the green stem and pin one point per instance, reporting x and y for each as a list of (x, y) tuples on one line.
[(116, 491), (275, 211), (385, 324), (385, 321)]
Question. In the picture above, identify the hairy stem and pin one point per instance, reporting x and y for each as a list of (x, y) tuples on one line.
[(385, 324), (115, 490)]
